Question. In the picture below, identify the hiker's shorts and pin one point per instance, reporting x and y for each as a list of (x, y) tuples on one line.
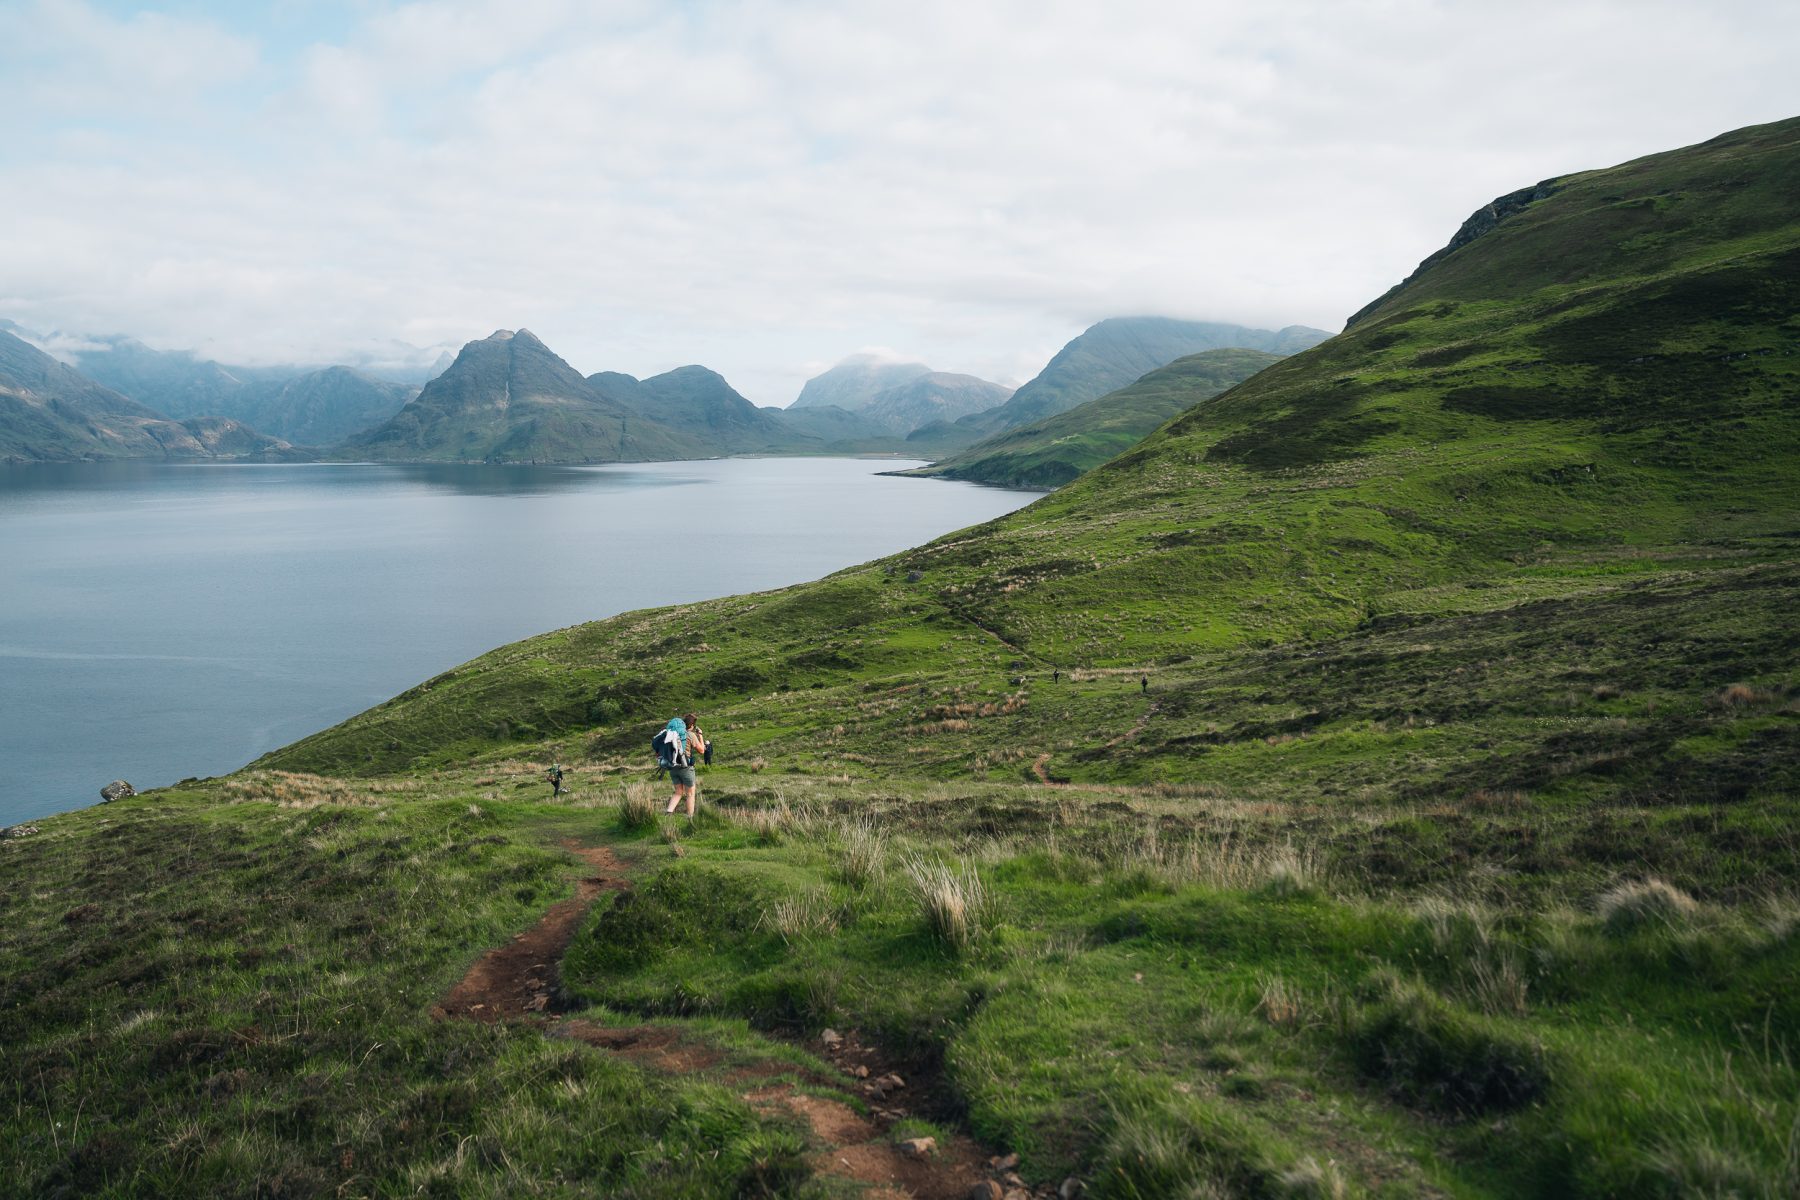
[(681, 776)]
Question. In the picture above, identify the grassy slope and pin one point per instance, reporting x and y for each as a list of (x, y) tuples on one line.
[(1051, 452), (1111, 354), (1451, 626), (1435, 460)]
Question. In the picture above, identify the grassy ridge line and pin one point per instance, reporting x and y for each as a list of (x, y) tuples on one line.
[(1051, 452), (1630, 413)]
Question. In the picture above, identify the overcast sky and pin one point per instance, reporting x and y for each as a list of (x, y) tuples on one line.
[(766, 187)]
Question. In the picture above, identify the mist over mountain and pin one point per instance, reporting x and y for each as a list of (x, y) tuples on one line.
[(1114, 352), (323, 408), (857, 380), (50, 412), (938, 396), (510, 398)]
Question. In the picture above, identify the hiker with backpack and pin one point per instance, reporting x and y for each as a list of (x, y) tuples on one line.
[(677, 747), (554, 776)]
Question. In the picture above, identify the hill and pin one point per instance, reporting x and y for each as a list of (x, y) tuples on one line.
[(1051, 452), (855, 381), (49, 412), (1441, 457), (1111, 354), (509, 398), (701, 406)]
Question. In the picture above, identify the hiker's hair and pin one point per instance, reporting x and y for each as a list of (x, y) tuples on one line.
[(690, 719)]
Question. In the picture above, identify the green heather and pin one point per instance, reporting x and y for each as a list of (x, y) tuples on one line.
[(1448, 850), (1051, 452)]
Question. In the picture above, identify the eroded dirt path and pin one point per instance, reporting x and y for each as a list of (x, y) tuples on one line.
[(520, 981)]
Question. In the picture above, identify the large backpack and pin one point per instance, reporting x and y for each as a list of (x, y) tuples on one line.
[(667, 755)]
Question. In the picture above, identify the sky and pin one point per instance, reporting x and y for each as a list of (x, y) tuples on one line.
[(765, 187)]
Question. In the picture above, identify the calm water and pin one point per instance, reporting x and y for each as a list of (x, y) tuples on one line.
[(159, 621)]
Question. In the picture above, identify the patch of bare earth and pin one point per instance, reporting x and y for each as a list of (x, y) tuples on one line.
[(519, 982)]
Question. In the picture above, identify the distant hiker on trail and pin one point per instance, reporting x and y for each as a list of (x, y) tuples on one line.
[(1056, 675), (682, 742), (1144, 684), (555, 776)]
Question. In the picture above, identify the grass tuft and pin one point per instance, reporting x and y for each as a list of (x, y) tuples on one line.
[(953, 900), (1650, 904), (637, 808), (862, 853)]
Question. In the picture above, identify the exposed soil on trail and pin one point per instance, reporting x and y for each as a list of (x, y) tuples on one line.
[(520, 982), (519, 979)]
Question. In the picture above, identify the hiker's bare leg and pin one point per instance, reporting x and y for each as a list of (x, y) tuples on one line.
[(693, 798)]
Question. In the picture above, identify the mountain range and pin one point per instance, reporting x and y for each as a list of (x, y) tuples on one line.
[(509, 398), (49, 412)]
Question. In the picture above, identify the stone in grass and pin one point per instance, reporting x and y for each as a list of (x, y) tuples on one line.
[(118, 789), (919, 1147), (1004, 1162), (831, 1039), (987, 1189), (1071, 1188)]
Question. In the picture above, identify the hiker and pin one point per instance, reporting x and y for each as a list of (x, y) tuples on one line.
[(684, 742), (1144, 684), (1056, 675), (555, 776)]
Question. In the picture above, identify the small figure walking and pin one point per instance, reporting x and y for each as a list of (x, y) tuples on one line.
[(555, 776), (1056, 675), (1144, 684)]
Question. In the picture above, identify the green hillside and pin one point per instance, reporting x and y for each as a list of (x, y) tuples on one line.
[(1111, 354), (1379, 781), (1051, 452), (509, 398), (1435, 459)]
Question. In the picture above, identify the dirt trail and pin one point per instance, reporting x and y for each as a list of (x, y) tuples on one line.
[(519, 981), (1043, 775)]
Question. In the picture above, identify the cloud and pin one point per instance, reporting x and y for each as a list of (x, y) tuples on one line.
[(764, 186)]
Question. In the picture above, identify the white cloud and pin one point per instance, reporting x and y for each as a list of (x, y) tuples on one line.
[(765, 186)]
